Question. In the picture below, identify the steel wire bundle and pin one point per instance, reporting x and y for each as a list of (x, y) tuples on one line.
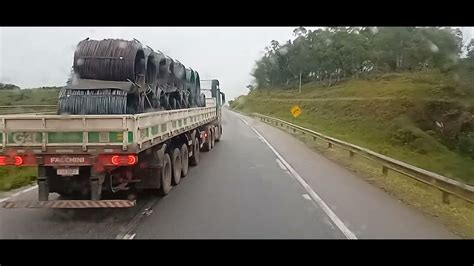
[(115, 60), (104, 101), (156, 81)]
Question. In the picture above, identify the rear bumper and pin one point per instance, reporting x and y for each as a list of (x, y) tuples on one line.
[(69, 204)]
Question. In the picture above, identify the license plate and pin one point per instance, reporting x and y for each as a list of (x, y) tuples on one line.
[(68, 171)]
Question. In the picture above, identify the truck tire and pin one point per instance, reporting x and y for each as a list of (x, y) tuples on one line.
[(194, 160), (218, 133), (176, 164), (166, 175), (184, 160), (213, 138), (207, 144)]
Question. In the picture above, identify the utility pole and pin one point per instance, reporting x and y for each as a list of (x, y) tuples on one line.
[(300, 83)]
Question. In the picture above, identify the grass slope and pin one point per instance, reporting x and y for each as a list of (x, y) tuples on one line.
[(389, 114)]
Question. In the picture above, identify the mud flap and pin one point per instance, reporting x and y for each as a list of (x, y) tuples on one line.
[(43, 186)]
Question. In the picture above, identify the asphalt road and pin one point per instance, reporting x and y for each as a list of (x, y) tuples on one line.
[(258, 182)]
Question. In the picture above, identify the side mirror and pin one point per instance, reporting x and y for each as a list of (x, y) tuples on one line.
[(223, 98)]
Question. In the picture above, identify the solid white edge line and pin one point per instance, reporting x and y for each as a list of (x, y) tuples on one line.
[(19, 193), (129, 237), (243, 120), (344, 229)]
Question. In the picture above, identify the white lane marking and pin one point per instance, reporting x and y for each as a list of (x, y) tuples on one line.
[(128, 236), (243, 120), (19, 193), (346, 231), (306, 196), (280, 164)]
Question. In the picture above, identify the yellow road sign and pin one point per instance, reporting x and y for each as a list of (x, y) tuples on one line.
[(295, 110)]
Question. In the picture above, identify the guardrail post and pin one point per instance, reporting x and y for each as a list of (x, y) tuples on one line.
[(384, 170), (329, 145), (314, 138), (294, 130), (445, 197), (351, 154)]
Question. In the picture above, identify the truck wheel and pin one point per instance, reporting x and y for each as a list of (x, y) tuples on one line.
[(165, 176), (195, 158), (184, 160), (213, 137), (176, 163), (207, 144), (218, 133)]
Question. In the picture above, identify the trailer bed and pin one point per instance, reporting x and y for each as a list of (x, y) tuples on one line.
[(61, 134)]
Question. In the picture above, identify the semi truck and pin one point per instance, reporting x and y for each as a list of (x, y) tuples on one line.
[(105, 161)]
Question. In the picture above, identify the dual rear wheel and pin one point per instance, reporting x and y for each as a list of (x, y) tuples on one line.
[(176, 160), (175, 167)]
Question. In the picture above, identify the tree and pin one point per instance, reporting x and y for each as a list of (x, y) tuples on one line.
[(8, 87), (470, 49), (335, 53), (300, 31)]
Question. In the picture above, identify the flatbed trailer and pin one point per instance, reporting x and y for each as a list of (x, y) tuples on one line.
[(104, 161)]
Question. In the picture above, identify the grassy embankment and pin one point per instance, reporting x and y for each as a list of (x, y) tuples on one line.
[(396, 115)]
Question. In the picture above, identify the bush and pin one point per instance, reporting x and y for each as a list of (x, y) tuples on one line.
[(404, 136), (422, 146), (466, 144)]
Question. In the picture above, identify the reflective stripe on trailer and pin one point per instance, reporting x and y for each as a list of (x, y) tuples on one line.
[(69, 204)]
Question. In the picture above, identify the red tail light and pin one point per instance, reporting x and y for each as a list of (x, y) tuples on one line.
[(123, 160), (3, 160), (18, 160), (115, 160), (132, 159)]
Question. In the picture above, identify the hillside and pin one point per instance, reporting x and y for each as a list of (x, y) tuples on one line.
[(423, 118)]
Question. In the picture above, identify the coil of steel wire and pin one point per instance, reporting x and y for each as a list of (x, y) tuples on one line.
[(157, 81), (110, 59)]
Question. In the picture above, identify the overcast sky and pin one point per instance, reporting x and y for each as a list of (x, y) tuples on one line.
[(42, 56)]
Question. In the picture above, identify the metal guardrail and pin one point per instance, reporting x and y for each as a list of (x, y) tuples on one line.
[(447, 186)]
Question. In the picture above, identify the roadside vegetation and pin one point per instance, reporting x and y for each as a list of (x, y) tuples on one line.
[(403, 92)]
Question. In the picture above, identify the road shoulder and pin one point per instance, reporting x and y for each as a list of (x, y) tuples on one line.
[(365, 209)]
